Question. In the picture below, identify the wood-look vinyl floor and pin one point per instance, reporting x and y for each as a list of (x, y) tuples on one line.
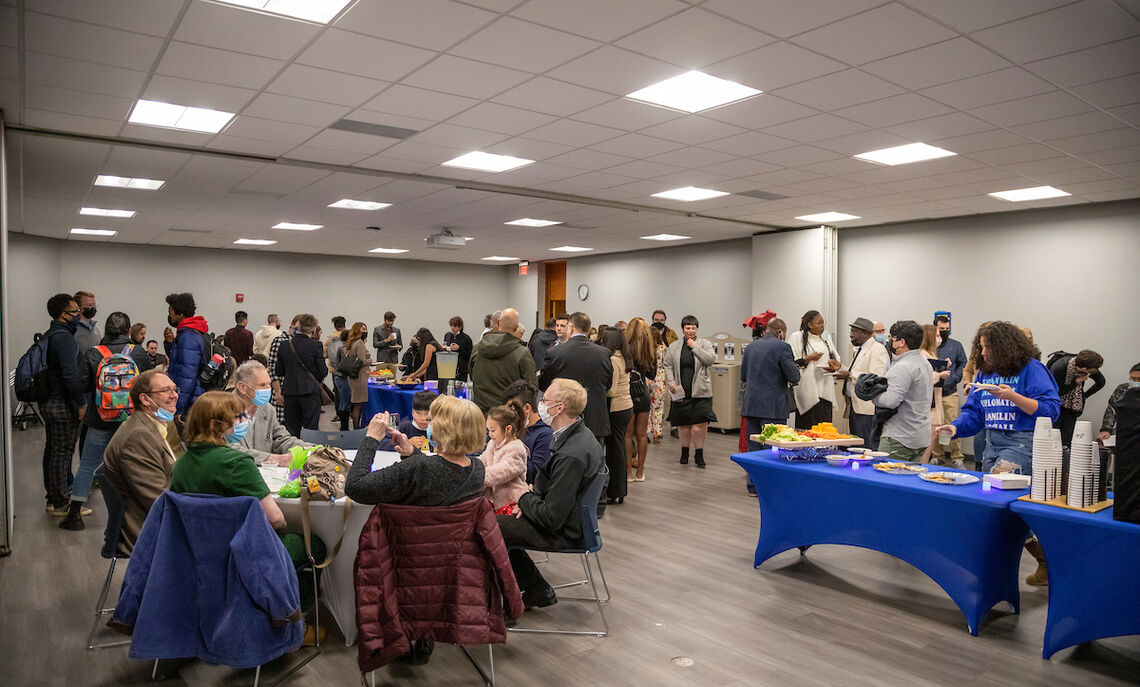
[(678, 558)]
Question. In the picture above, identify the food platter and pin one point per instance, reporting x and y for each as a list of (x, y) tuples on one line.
[(895, 467), (814, 443), (949, 478)]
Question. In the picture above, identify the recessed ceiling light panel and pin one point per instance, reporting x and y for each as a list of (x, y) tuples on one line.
[(500, 258), (254, 242), (905, 154), (389, 250), (690, 193), (359, 204), (571, 249), (828, 217), (666, 237), (93, 232), (318, 11), (487, 162), (298, 227), (100, 212), (200, 119), (1021, 195), (693, 92), (128, 182), (529, 222)]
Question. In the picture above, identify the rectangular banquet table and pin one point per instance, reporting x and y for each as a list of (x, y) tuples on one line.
[(338, 594), (1093, 559), (965, 539), (390, 398)]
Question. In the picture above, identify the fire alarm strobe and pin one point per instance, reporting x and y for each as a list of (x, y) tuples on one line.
[(239, 297)]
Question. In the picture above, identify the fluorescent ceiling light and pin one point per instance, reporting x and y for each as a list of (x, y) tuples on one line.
[(571, 249), (100, 212), (358, 204), (500, 258), (128, 182), (666, 237), (94, 232), (690, 193), (1036, 193), (487, 162), (319, 11), (297, 227), (254, 242), (828, 217), (528, 222), (388, 250), (901, 155), (201, 119), (692, 92)]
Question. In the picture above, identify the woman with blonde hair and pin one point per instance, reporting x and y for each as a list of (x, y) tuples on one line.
[(643, 362), (940, 372), (356, 344)]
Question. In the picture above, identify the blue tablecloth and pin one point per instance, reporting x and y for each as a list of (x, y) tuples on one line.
[(382, 397), (1093, 559), (965, 539)]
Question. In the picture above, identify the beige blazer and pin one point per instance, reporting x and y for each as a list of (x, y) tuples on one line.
[(872, 359), (138, 461)]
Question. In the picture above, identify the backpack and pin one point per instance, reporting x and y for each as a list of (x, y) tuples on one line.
[(113, 379), (33, 382), (215, 379), (1055, 356), (324, 473)]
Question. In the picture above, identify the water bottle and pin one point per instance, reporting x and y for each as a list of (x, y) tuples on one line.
[(211, 368), (451, 387)]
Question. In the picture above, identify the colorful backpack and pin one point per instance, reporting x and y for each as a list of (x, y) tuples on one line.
[(113, 379)]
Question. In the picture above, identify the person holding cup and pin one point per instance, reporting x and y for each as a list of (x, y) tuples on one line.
[(816, 355)]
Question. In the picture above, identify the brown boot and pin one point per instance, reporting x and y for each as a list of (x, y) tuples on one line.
[(1040, 578)]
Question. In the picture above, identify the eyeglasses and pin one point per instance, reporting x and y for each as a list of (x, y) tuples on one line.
[(549, 402), (167, 390)]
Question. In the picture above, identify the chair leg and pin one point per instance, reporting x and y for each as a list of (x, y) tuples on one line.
[(257, 676), (489, 681), (596, 598), (316, 633), (100, 612), (605, 585)]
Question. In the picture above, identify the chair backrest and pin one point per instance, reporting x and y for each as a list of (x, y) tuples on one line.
[(588, 511), (115, 512), (341, 440)]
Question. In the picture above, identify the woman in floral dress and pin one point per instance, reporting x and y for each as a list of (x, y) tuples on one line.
[(657, 402)]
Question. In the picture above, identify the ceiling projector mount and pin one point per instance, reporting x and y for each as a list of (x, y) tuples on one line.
[(445, 239)]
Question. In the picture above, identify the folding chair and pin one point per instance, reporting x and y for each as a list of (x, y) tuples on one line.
[(111, 536)]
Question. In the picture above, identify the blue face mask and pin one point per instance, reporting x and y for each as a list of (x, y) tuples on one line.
[(261, 397), (164, 414), (1134, 385), (881, 338), (238, 432)]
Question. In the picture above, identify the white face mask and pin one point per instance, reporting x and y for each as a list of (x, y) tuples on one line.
[(543, 413)]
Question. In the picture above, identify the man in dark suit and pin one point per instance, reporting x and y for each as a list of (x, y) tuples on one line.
[(588, 364), (547, 517), (768, 368), (301, 364)]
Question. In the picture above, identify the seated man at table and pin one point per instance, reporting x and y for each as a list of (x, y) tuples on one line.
[(547, 516), (910, 390), (267, 439), (415, 428)]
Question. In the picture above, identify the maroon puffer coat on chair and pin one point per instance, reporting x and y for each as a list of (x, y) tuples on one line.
[(439, 573)]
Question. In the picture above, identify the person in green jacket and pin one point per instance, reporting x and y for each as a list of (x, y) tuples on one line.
[(498, 359)]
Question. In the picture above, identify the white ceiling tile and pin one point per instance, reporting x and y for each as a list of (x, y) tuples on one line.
[(460, 76), (392, 164), (197, 93), (251, 146), (231, 28), (1066, 177), (552, 97), (128, 161), (296, 110), (268, 130), (839, 166), (452, 136), (815, 128), (749, 143), (1074, 125), (1037, 167), (569, 132), (692, 130), (81, 41), (1077, 26), (350, 141), (953, 124), (325, 155), (622, 113), (1129, 114), (1111, 92), (602, 20), (217, 66), (636, 146), (1104, 140), (862, 142), (971, 15), (434, 24), (684, 39), (422, 152), (67, 122), (1032, 109), (939, 63), (1095, 64), (693, 156), (9, 23), (776, 65), (986, 140), (154, 17), (995, 87), (589, 159), (644, 169), (280, 179), (66, 101), (1022, 153), (418, 102), (539, 173), (841, 89), (785, 19), (874, 34), (739, 167), (510, 42), (797, 156), (614, 70), (894, 110), (530, 149), (320, 84), (82, 76), (154, 133), (500, 118), (352, 53)]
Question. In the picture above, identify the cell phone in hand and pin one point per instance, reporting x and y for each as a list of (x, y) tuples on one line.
[(393, 419)]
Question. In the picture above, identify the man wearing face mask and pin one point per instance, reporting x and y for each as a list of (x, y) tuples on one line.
[(186, 349), (909, 389), (141, 454), (659, 323), (61, 409), (266, 439), (951, 350), (87, 333), (880, 334)]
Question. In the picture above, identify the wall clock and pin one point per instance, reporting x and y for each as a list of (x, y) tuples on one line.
[(583, 292)]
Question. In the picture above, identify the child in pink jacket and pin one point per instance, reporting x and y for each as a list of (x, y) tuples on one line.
[(504, 461)]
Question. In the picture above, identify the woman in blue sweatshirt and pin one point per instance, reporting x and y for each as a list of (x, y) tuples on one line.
[(1023, 390)]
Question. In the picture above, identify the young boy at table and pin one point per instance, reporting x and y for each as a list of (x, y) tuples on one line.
[(415, 427)]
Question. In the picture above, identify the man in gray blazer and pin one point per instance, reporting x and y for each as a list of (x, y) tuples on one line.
[(768, 367), (267, 440)]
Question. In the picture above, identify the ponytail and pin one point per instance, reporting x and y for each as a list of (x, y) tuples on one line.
[(509, 415)]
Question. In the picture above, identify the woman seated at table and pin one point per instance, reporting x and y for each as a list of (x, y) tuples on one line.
[(430, 347), (211, 465)]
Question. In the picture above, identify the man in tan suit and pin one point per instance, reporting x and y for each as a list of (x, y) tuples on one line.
[(868, 356), (141, 455)]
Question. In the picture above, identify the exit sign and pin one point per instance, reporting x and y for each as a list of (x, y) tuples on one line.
[(524, 268)]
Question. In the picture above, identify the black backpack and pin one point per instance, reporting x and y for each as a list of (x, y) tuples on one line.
[(33, 380), (211, 378)]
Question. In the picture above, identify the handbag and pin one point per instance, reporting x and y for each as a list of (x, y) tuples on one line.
[(349, 365), (637, 386), (322, 479)]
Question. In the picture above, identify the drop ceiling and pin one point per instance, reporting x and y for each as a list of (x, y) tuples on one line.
[(1026, 92)]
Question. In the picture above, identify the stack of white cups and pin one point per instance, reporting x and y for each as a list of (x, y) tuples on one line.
[(1046, 482), (1084, 467)]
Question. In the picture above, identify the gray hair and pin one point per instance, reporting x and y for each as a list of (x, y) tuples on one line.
[(497, 315), (245, 371)]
